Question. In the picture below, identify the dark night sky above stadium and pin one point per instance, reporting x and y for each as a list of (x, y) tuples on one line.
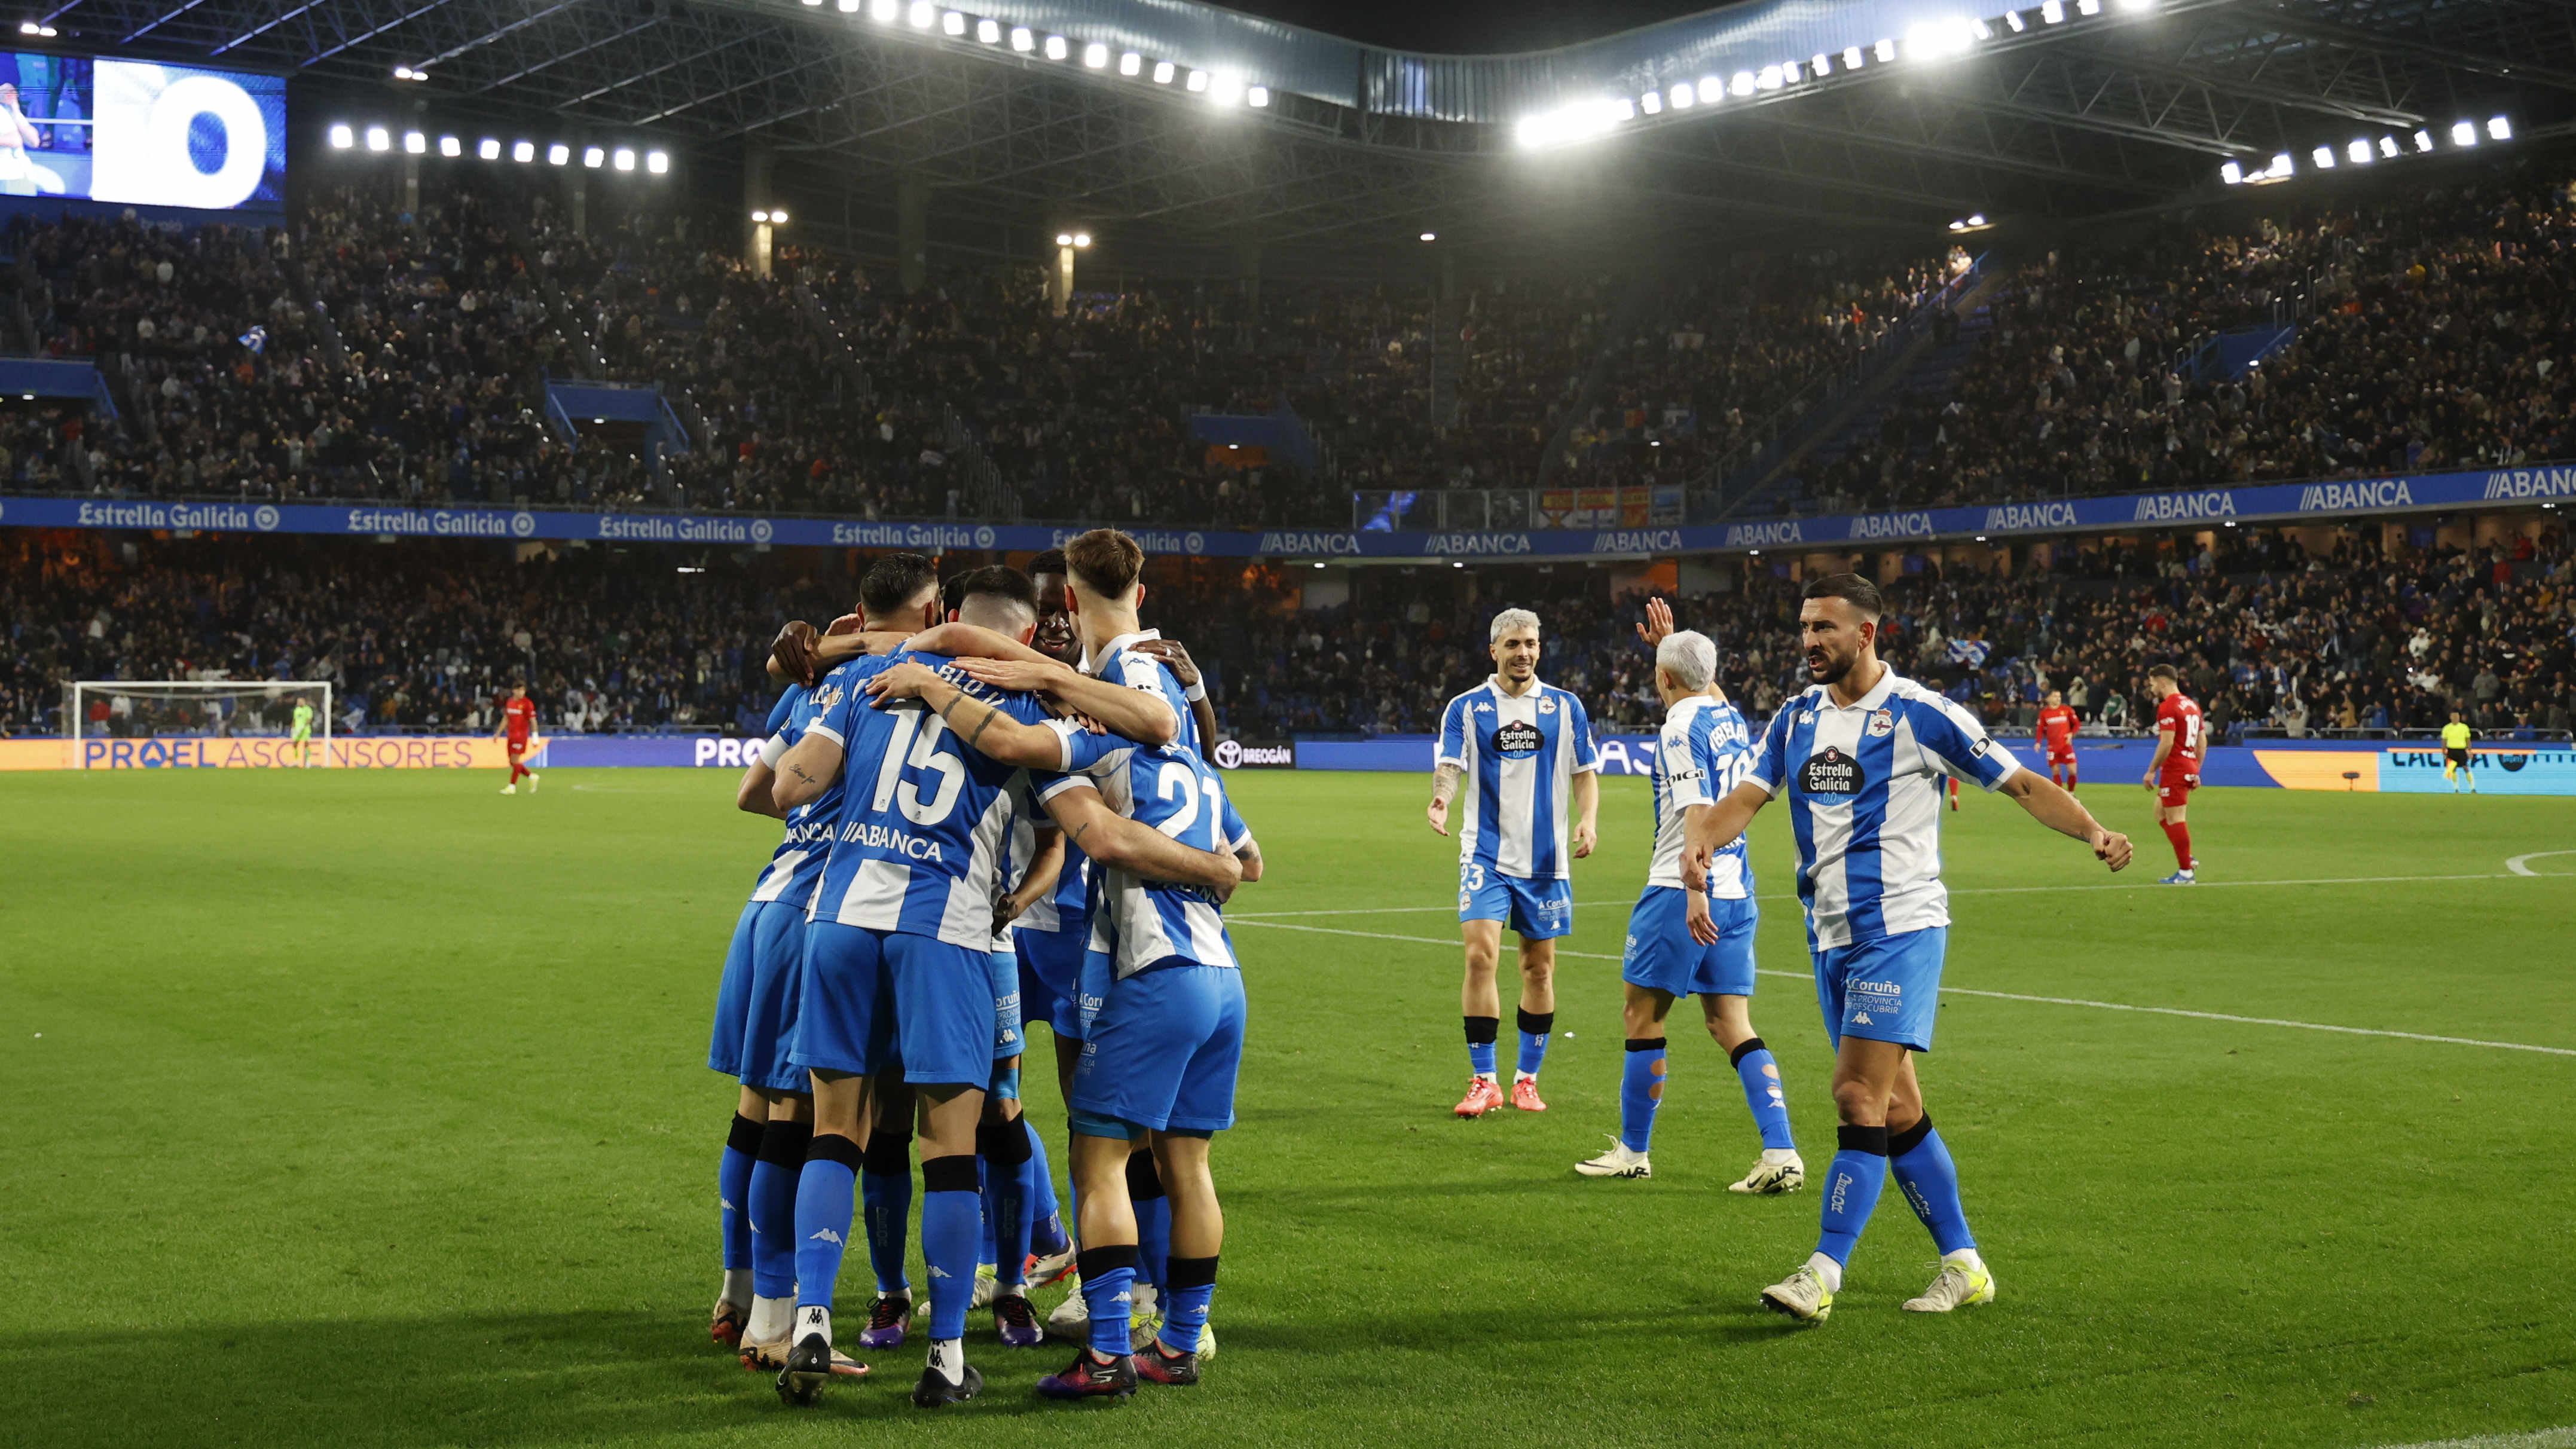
[(1464, 27)]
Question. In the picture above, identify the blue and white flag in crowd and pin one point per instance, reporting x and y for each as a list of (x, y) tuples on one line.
[(1970, 652), (256, 339)]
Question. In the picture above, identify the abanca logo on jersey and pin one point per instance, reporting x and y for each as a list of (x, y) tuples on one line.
[(1517, 739), (1830, 772)]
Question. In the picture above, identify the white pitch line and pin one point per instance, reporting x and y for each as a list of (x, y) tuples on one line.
[(2540, 1439), (2511, 1046), (2515, 868)]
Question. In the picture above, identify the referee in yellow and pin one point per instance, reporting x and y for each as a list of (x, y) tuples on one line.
[(2455, 754)]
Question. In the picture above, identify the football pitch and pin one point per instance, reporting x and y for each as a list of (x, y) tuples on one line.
[(371, 1109)]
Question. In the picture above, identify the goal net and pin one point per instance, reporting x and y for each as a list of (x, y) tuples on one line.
[(261, 715)]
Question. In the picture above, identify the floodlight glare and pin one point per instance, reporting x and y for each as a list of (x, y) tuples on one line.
[(762, 217), (624, 160), (1431, 236), (1886, 49), (2499, 129), (1082, 239), (2463, 133), (1130, 63), (1822, 64), (1711, 90), (558, 154), (2052, 12), (450, 147), (1198, 80), (922, 14), (2280, 167), (2388, 147), (1022, 39), (1653, 102), (2012, 19), (1163, 72), (2088, 7), (2324, 157), (658, 162), (883, 11), (2423, 141), (1744, 83), (488, 149), (2232, 174), (989, 31), (952, 23), (1095, 56), (2358, 153), (1064, 238), (1977, 218), (1258, 97), (523, 152), (342, 138), (851, 7), (378, 139), (593, 157), (415, 144), (1057, 47), (1851, 57), (1768, 80)]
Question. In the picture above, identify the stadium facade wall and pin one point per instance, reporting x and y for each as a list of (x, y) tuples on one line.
[(2268, 503)]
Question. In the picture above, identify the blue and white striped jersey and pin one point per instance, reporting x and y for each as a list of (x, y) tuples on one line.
[(1865, 791), (1704, 752), (1520, 757), (1122, 665), (925, 829), (1140, 923), (797, 865)]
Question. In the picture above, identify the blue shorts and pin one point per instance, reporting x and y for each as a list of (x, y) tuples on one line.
[(1540, 910), (1162, 1052), (1050, 978), (756, 999), (877, 1000), (1005, 968), (1883, 990), (1661, 956)]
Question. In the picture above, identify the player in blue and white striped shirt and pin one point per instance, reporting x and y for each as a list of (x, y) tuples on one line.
[(1518, 756), (1703, 752), (1863, 757)]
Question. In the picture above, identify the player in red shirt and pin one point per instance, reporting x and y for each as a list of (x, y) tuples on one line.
[(2057, 737), (518, 721), (2175, 771)]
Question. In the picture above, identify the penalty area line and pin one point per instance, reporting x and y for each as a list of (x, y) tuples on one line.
[(2510, 1046)]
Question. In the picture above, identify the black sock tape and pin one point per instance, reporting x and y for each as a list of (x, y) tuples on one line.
[(953, 1173), (1092, 1262), (784, 1144), (1003, 1144), (1872, 1140), (1481, 1030), (745, 1136), (1645, 1043), (1144, 1184), (1743, 1049), (833, 1147), (1901, 1143), (1179, 1273), (1538, 1023), (890, 1154)]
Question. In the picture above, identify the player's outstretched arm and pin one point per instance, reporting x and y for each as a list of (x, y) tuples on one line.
[(977, 725), (1123, 844), (2050, 805), (1708, 829), (1140, 715), (806, 771), (753, 796)]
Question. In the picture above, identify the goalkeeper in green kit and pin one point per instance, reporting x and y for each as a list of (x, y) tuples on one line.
[(302, 735)]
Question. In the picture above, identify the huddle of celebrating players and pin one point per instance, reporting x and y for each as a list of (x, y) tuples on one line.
[(994, 806)]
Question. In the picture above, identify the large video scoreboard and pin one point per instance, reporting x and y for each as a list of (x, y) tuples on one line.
[(142, 133)]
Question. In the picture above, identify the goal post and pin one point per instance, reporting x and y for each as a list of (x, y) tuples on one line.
[(238, 709)]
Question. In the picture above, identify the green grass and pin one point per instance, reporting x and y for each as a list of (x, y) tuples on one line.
[(369, 1109)]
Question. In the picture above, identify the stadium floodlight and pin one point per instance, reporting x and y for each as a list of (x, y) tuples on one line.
[(1744, 83), (1257, 97), (1081, 239), (1940, 39), (658, 162), (2088, 7), (2388, 147), (989, 31), (2232, 174), (922, 14), (1057, 48), (2499, 129), (1224, 87), (342, 138), (882, 12), (2358, 153), (1023, 39), (1821, 64), (2052, 12), (1885, 51), (488, 148), (2014, 22), (1130, 63), (624, 160), (2280, 168), (450, 147), (952, 23), (1064, 238), (1431, 236), (1851, 57), (2324, 157), (1095, 56), (1711, 90), (760, 217), (1976, 218), (379, 139), (406, 73), (415, 144), (523, 152), (813, 2), (558, 154), (1652, 102), (593, 157), (1768, 80), (851, 7), (1164, 70), (2423, 141), (2463, 133), (1198, 80)]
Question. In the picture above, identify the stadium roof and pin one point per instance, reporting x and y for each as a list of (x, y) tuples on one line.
[(1199, 127)]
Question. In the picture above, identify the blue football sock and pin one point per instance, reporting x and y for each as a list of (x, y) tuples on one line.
[(1185, 1302), (733, 1190), (1153, 1217), (1760, 1073), (774, 1180), (885, 1191), (1930, 1181), (1108, 1279), (984, 1243), (1641, 1091), (1005, 1150), (1852, 1186), (1043, 1207), (823, 1193), (950, 1211), (1481, 1031), (1536, 1027)]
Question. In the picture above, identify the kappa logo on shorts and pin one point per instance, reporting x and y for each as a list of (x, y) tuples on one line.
[(1831, 772), (1518, 738), (1881, 722), (1861, 1018)]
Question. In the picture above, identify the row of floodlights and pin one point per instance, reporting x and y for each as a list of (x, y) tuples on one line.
[(1932, 40), (1221, 86), (2365, 151), (36, 28), (345, 137)]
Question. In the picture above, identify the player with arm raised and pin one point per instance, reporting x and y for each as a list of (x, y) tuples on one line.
[(1702, 753), (1861, 757), (1514, 753), (518, 721), (2056, 734), (2175, 771), (904, 919)]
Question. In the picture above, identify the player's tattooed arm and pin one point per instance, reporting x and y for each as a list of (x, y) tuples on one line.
[(753, 795), (806, 771), (2052, 805), (1140, 714), (978, 725), (1248, 856), (1708, 829), (1444, 787), (1121, 843), (973, 641)]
